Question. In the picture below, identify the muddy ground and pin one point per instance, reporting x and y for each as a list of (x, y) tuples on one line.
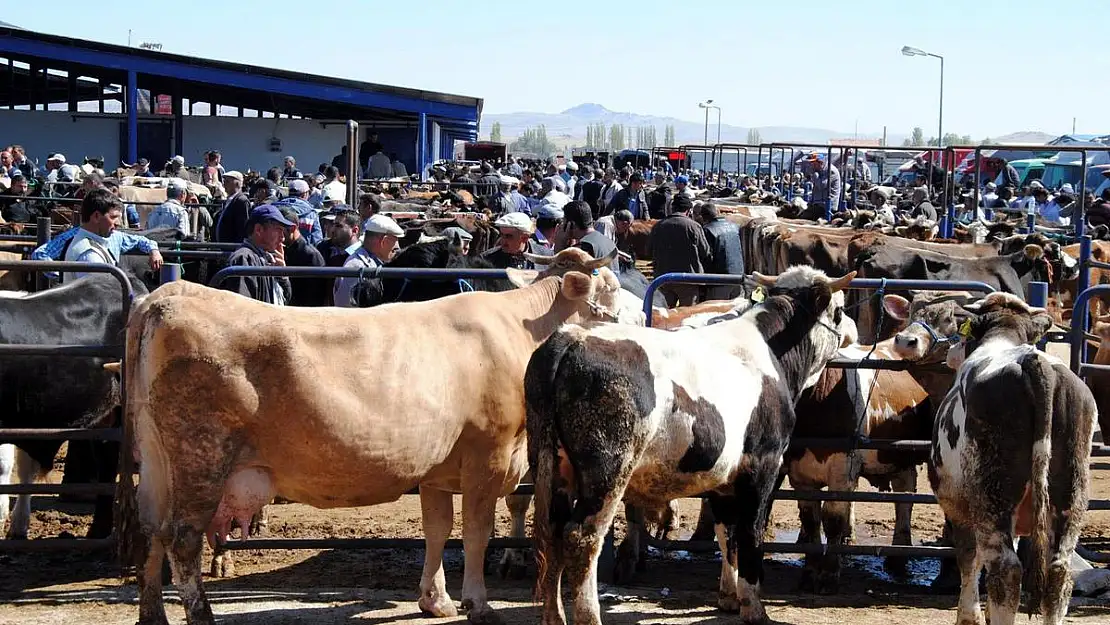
[(287, 586)]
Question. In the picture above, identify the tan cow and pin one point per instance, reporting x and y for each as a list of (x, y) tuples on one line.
[(335, 408)]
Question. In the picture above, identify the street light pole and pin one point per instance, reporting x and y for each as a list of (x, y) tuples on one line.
[(909, 51)]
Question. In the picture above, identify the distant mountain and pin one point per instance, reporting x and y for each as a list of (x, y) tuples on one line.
[(1025, 136), (568, 128)]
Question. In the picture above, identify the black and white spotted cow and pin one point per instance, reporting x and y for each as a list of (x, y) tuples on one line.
[(1010, 458), (647, 416)]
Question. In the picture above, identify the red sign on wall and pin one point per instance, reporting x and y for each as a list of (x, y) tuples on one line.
[(163, 105)]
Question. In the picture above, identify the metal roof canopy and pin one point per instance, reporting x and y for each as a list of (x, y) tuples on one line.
[(225, 83)]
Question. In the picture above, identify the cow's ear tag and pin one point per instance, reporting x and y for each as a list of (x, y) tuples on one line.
[(965, 328), (759, 295)]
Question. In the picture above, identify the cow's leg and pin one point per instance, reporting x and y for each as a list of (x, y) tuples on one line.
[(754, 491), (969, 564), (106, 458), (185, 560), (903, 482), (152, 610), (836, 519), (513, 562), (724, 510), (583, 539), (948, 578), (809, 516), (479, 512), (996, 549), (27, 471), (707, 525), (628, 553), (438, 514), (7, 468)]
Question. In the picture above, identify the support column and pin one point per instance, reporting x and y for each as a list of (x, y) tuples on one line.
[(132, 116), (422, 145), (178, 123)]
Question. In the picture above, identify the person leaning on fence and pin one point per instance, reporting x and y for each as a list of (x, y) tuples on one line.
[(515, 238), (678, 245), (97, 241), (172, 213), (380, 242), (264, 246), (726, 255), (548, 220)]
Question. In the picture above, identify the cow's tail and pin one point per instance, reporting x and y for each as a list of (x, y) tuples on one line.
[(1040, 381), (553, 504)]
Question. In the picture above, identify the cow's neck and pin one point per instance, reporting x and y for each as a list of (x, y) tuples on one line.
[(543, 308), (787, 329)]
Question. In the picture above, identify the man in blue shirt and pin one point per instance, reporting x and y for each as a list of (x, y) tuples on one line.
[(96, 241), (308, 220), (142, 168)]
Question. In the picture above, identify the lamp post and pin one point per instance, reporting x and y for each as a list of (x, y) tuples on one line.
[(708, 104), (908, 51)]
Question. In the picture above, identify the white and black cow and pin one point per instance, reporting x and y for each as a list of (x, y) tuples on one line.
[(61, 391), (1010, 458), (646, 416)]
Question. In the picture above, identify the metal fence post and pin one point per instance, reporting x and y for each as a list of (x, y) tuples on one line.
[(1038, 296), (42, 237), (171, 272)]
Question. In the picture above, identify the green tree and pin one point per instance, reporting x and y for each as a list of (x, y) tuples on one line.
[(987, 141), (753, 137), (668, 135), (495, 132), (918, 136), (616, 137), (534, 141)]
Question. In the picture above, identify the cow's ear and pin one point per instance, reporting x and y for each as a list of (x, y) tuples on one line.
[(897, 306), (1042, 323), (522, 277), (576, 286)]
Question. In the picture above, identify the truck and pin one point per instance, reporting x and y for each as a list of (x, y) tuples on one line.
[(485, 151)]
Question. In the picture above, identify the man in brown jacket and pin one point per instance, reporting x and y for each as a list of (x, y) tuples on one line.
[(678, 245)]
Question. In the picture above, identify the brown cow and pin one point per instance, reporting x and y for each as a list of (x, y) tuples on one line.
[(1099, 381), (637, 239), (397, 414)]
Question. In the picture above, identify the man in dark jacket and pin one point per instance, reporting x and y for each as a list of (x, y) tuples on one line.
[(231, 224), (630, 198), (580, 227), (678, 245), (659, 200), (727, 257), (263, 247), (591, 192), (300, 253), (489, 183)]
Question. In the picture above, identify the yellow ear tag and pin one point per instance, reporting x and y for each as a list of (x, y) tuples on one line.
[(965, 328), (759, 295)]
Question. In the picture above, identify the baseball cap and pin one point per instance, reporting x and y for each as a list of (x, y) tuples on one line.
[(682, 178), (268, 212), (382, 224), (180, 160), (298, 186), (58, 156), (234, 174), (519, 221), (550, 211), (144, 161), (572, 166), (178, 183), (1067, 188), (15, 172)]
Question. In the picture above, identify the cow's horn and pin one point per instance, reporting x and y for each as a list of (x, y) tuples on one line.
[(766, 281), (604, 261), (539, 260), (114, 367), (841, 283)]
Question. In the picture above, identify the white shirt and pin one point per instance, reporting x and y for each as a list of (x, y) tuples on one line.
[(557, 198), (336, 190), (399, 170), (169, 214)]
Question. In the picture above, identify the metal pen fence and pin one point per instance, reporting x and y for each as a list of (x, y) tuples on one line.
[(16, 435)]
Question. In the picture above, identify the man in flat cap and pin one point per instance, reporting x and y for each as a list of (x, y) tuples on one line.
[(380, 241)]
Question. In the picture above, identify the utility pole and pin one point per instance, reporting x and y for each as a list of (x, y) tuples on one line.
[(1073, 125)]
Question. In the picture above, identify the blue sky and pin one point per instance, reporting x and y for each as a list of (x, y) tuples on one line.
[(801, 63)]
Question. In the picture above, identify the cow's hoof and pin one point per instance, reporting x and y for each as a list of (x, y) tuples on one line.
[(728, 602), (17, 535), (440, 607), (481, 616), (624, 569)]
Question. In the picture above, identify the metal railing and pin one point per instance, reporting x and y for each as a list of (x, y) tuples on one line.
[(12, 435)]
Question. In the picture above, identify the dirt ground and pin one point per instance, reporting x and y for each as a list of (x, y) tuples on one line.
[(295, 586)]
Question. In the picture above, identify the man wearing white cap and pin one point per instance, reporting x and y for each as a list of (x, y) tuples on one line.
[(380, 241), (172, 213), (515, 231), (231, 225), (54, 162)]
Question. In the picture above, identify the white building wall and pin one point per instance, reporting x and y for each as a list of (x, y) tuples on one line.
[(244, 142), (75, 135)]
